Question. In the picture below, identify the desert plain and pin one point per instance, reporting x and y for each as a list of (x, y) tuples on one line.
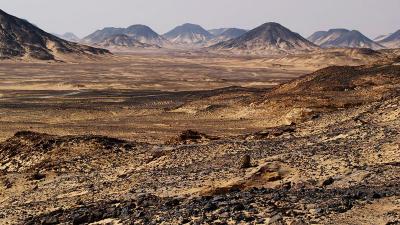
[(161, 137)]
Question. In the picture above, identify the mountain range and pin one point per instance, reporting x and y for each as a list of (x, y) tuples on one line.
[(21, 39), (124, 42), (141, 33), (189, 35), (343, 38), (274, 38)]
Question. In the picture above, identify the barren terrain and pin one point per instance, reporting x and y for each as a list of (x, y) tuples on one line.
[(200, 138), (127, 96)]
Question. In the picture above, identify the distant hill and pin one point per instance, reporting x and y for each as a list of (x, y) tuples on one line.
[(228, 34), (269, 38), (69, 36), (391, 41), (21, 39), (124, 42), (139, 32), (343, 38), (218, 31), (145, 35), (188, 34), (316, 36), (100, 35), (381, 37)]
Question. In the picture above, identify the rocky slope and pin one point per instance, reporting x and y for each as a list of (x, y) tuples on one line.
[(320, 92), (269, 38), (392, 40), (334, 159), (188, 34), (335, 56), (343, 38), (21, 39), (141, 33)]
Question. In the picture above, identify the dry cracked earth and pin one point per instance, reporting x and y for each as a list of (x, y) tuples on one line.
[(322, 148)]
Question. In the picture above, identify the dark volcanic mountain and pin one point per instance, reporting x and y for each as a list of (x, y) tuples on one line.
[(269, 38), (139, 32), (392, 41), (343, 38), (69, 37), (123, 42), (21, 39), (188, 34)]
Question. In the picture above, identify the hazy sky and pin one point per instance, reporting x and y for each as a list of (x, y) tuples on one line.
[(372, 17)]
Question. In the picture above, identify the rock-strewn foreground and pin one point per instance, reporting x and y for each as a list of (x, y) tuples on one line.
[(337, 161)]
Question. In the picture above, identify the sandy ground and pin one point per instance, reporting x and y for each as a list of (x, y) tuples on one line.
[(133, 95), (127, 96)]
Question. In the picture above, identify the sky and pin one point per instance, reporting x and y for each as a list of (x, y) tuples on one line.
[(82, 17)]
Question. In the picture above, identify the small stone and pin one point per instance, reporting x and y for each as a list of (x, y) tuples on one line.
[(38, 176), (224, 215), (260, 221), (328, 181), (172, 202), (249, 219), (297, 212), (8, 184), (376, 195), (287, 186), (50, 220), (210, 207), (245, 162), (315, 211), (218, 198), (185, 220), (239, 217), (125, 211), (311, 206), (140, 214), (275, 218), (80, 219), (238, 207)]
